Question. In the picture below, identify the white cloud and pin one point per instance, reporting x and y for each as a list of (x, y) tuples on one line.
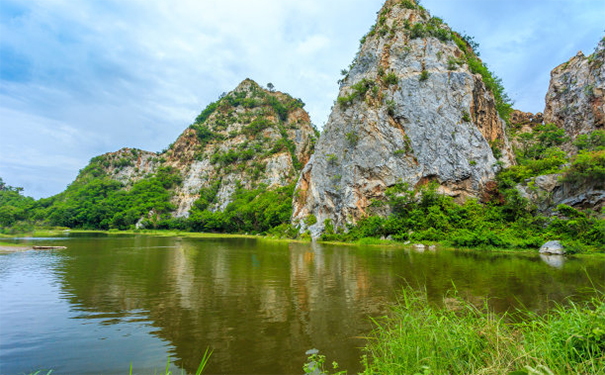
[(94, 76)]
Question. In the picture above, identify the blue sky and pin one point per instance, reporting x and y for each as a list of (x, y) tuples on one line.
[(81, 78)]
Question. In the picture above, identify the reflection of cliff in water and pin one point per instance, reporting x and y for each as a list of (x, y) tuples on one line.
[(260, 304)]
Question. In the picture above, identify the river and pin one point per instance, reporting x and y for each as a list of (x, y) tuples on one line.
[(107, 302)]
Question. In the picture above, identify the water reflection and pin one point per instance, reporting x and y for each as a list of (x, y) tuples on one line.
[(260, 305), (556, 261)]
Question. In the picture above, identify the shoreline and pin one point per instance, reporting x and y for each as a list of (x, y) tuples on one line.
[(365, 242), (6, 248)]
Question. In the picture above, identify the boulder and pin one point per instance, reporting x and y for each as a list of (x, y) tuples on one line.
[(553, 247)]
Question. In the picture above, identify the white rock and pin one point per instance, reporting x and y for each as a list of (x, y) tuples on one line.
[(553, 247)]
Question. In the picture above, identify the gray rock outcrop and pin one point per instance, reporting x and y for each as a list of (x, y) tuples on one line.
[(549, 191), (553, 247), (254, 137), (250, 137), (409, 110), (576, 96)]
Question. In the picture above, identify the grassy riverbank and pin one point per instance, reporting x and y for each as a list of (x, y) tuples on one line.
[(461, 338)]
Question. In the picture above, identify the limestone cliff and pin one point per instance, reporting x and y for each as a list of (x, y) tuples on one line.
[(250, 137), (127, 166), (409, 110), (574, 102), (576, 96)]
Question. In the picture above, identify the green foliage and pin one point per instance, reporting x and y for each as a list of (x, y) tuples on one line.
[(352, 138), (332, 159), (390, 79), (587, 166), (250, 211), (538, 154), (458, 337), (359, 90), (257, 126), (424, 76), (453, 63), (316, 364), (102, 203), (466, 117), (407, 4), (204, 134), (311, 220), (390, 106), (433, 28), (209, 110), (14, 207), (594, 141), (422, 214)]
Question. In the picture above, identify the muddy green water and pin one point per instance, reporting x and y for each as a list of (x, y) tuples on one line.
[(109, 301)]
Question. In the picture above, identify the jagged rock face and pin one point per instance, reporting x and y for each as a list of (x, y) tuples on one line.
[(252, 137), (549, 191), (410, 110), (519, 119), (127, 165), (576, 97)]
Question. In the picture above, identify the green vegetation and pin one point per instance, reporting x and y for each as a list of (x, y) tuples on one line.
[(352, 138), (589, 164), (407, 4), (433, 28), (509, 221), (466, 117), (251, 211), (359, 90), (14, 209), (424, 76), (460, 338), (390, 79)]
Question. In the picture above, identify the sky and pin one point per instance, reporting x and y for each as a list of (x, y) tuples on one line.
[(82, 78)]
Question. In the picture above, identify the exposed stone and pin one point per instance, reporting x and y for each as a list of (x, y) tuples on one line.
[(576, 97), (553, 247), (406, 112), (127, 165), (254, 137), (549, 191), (521, 119)]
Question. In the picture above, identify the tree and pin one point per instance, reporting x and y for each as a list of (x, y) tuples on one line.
[(270, 87)]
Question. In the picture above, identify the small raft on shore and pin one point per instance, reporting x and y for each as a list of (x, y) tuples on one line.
[(49, 247)]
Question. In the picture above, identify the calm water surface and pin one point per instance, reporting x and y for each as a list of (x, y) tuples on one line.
[(109, 301)]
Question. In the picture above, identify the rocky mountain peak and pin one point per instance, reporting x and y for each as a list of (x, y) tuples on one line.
[(249, 137), (416, 106), (576, 96)]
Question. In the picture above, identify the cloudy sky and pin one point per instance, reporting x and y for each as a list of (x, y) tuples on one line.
[(81, 78)]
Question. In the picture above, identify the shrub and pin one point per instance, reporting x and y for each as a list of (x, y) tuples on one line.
[(390, 79), (332, 159), (352, 138), (587, 166), (407, 4), (424, 76)]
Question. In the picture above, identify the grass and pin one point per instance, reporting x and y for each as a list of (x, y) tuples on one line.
[(460, 338)]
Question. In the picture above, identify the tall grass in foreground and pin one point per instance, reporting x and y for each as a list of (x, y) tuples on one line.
[(463, 339)]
